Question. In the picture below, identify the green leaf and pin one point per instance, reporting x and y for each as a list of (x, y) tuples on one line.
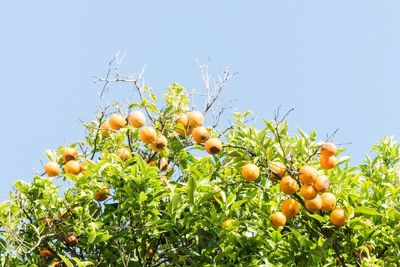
[(367, 211), (66, 261), (191, 189)]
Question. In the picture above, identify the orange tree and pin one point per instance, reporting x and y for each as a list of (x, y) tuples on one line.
[(155, 185)]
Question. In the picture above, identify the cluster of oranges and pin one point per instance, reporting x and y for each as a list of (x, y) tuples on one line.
[(312, 184)]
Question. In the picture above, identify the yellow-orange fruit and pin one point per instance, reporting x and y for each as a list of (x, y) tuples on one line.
[(69, 153), (163, 164), (278, 169), (101, 194), (52, 168), (290, 208), (328, 201), (231, 224), (321, 183), (137, 119), (250, 172), (200, 134), (105, 128), (213, 146), (117, 122), (72, 167), (308, 174), (278, 219), (328, 163), (308, 191), (195, 119), (159, 144), (71, 240), (45, 253), (182, 123), (123, 153), (314, 204), (328, 149), (288, 185), (338, 217), (148, 135)]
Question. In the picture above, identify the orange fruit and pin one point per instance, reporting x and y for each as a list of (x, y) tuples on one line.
[(328, 201), (321, 183), (147, 135), (123, 153), (231, 224), (69, 153), (314, 204), (52, 168), (308, 191), (136, 119), (72, 167), (195, 119), (101, 194), (117, 122), (278, 169), (213, 146), (338, 217), (163, 164), (250, 172), (45, 253), (182, 122), (105, 128), (307, 174), (71, 240), (288, 185), (328, 149), (290, 208), (278, 219), (200, 134), (328, 163), (159, 144)]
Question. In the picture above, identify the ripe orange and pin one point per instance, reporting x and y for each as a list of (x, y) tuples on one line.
[(123, 153), (72, 167), (45, 253), (163, 164), (195, 119), (200, 134), (321, 183), (137, 119), (69, 153), (101, 194), (308, 191), (250, 172), (290, 208), (288, 185), (159, 144), (116, 121), (308, 174), (71, 240), (231, 224), (338, 217), (182, 122), (328, 201), (278, 169), (314, 204), (328, 163), (278, 219), (213, 146), (328, 149), (148, 135), (52, 168), (105, 128)]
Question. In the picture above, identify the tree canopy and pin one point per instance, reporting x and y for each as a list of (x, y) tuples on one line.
[(158, 184)]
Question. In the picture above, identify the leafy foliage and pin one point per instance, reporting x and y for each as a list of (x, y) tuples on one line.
[(199, 210)]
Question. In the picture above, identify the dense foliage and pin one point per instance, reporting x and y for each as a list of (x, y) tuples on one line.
[(174, 204)]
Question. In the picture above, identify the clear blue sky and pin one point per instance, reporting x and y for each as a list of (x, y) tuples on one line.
[(336, 62)]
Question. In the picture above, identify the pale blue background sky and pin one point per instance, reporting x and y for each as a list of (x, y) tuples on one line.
[(336, 62)]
